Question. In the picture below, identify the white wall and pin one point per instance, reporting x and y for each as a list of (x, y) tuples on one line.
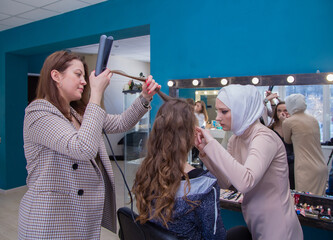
[(113, 97)]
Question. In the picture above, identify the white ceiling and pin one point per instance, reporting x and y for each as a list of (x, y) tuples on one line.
[(137, 48), (15, 13)]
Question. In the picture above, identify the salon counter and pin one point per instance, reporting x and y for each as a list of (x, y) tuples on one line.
[(312, 228), (315, 223)]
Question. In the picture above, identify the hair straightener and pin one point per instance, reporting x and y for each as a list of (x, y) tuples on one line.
[(104, 49)]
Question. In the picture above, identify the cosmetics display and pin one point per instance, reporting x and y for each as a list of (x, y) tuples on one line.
[(310, 206), (230, 195), (312, 210)]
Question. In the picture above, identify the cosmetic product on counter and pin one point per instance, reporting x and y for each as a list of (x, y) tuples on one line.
[(329, 211), (230, 195)]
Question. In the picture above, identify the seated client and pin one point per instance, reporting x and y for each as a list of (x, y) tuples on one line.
[(169, 191)]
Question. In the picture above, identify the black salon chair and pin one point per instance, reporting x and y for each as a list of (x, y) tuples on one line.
[(129, 230), (239, 232)]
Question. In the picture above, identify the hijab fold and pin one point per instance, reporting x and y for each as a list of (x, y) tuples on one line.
[(245, 103)]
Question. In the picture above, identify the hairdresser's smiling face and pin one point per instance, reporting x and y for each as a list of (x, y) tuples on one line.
[(223, 115), (71, 82)]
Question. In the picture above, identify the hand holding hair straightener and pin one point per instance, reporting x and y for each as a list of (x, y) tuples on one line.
[(102, 60)]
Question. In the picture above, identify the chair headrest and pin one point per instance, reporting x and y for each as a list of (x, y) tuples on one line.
[(133, 230)]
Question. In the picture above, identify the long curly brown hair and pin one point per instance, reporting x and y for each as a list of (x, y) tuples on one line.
[(158, 178)]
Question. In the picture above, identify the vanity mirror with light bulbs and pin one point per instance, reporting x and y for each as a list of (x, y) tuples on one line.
[(316, 87)]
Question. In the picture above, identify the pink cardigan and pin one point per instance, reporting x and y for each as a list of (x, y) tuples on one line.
[(256, 165)]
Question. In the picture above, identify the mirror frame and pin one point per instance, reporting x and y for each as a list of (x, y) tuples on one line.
[(264, 80)]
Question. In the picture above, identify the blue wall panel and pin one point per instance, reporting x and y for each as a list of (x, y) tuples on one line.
[(188, 39), (16, 101)]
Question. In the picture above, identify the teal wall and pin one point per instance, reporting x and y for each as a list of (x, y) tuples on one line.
[(188, 39), (16, 98), (35, 62)]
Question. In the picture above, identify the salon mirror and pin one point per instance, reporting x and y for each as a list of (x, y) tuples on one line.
[(316, 87)]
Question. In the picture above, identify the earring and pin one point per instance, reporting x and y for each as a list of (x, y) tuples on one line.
[(60, 85)]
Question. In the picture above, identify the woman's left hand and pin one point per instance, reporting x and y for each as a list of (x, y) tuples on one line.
[(149, 88), (202, 138)]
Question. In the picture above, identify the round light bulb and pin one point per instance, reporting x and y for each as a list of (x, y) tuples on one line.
[(196, 92), (255, 80), (290, 79), (170, 83), (205, 92), (329, 77), (195, 82), (224, 81), (215, 92)]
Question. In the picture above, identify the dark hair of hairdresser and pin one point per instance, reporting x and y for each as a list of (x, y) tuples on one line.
[(275, 118), (47, 88), (158, 177)]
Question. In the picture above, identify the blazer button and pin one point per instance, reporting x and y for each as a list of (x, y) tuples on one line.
[(80, 192), (75, 166)]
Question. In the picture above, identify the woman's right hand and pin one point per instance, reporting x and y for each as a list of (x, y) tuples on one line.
[(270, 96), (98, 84), (283, 116)]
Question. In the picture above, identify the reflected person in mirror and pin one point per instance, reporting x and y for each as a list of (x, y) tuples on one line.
[(71, 188), (268, 112), (279, 115), (201, 113), (302, 130), (255, 164)]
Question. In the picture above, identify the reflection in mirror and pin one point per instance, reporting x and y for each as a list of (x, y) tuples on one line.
[(317, 89), (208, 97)]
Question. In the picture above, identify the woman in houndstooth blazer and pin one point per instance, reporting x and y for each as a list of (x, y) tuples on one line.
[(71, 189)]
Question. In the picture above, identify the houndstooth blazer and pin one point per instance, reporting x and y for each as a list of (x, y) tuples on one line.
[(69, 195)]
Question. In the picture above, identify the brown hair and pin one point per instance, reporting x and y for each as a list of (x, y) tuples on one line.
[(47, 88), (190, 101), (158, 178), (275, 118), (203, 109)]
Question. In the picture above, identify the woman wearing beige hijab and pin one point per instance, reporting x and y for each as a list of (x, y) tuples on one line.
[(255, 164), (302, 130)]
